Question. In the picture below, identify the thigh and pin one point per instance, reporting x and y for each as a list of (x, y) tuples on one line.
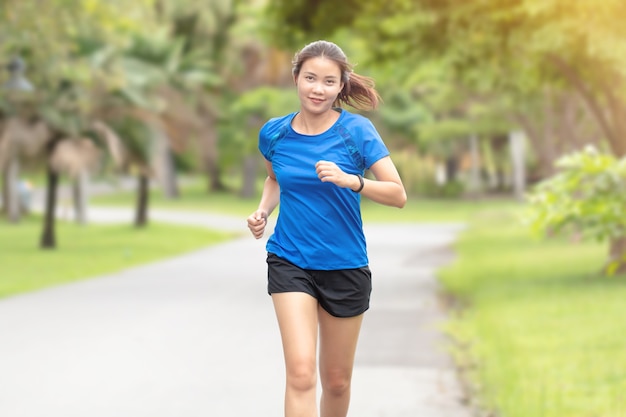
[(338, 342), (297, 319)]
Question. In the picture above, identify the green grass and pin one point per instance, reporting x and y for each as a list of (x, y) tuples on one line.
[(194, 197), (87, 251), (540, 332), (93, 250), (432, 210)]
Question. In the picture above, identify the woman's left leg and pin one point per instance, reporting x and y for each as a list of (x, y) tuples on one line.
[(337, 344)]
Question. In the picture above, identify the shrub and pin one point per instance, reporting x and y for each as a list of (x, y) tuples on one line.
[(587, 198)]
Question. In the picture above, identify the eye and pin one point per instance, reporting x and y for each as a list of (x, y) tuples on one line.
[(308, 77), (330, 82)]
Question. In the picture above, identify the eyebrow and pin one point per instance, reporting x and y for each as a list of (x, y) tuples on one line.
[(327, 77)]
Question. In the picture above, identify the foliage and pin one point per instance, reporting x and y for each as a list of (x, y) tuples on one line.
[(304, 20), (499, 55), (586, 197), (247, 113), (47, 34)]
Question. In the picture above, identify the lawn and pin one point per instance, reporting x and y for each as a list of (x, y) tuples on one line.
[(195, 198), (94, 250), (87, 251), (539, 332)]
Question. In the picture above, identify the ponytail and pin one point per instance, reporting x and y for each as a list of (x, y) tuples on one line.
[(359, 92)]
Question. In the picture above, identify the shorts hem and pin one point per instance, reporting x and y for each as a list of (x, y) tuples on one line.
[(346, 315)]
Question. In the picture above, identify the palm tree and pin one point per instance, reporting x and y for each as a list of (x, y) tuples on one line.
[(21, 141), (72, 148), (15, 105), (149, 111), (206, 29)]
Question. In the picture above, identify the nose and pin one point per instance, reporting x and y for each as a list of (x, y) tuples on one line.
[(317, 88)]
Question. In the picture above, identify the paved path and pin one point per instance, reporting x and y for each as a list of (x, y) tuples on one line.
[(195, 336)]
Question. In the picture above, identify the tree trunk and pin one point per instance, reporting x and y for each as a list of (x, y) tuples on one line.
[(250, 171), (518, 163), (143, 194), (617, 256), (474, 184), (562, 124), (79, 197), (5, 192), (616, 108), (452, 168), (169, 179), (498, 145), (617, 111), (12, 201), (214, 175), (542, 146), (209, 150), (48, 237), (163, 162)]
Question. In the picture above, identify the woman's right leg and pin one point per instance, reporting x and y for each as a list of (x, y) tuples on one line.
[(297, 319)]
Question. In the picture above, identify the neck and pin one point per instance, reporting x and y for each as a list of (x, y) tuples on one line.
[(314, 124)]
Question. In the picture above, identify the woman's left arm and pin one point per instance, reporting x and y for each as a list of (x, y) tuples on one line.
[(387, 189)]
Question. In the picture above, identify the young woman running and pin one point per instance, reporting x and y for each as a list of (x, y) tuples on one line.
[(318, 273)]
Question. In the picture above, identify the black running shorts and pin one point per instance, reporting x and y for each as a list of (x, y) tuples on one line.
[(342, 293)]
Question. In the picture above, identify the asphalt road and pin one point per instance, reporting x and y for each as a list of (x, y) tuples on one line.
[(196, 336)]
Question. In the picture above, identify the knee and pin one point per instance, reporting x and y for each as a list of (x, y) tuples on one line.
[(302, 376), (337, 382)]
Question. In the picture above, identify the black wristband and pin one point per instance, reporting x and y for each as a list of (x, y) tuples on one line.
[(362, 183)]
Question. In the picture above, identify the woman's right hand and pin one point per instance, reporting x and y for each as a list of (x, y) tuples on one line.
[(257, 222)]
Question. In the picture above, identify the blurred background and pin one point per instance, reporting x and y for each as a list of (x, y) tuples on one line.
[(506, 115)]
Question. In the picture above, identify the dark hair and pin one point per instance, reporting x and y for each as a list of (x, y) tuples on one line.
[(358, 91)]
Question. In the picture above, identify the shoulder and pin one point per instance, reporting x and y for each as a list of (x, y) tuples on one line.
[(357, 124), (271, 132), (362, 139), (354, 119), (275, 126)]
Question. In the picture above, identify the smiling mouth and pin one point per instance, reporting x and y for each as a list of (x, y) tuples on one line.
[(316, 100)]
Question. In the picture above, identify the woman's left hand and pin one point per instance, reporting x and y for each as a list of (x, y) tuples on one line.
[(329, 172)]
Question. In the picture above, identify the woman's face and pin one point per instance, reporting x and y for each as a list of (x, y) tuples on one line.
[(319, 84)]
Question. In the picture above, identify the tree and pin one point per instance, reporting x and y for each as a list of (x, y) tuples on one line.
[(249, 112), (146, 108), (587, 198), (50, 36), (205, 28), (70, 148), (15, 109), (513, 52)]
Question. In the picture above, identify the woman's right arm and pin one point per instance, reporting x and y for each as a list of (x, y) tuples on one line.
[(269, 200)]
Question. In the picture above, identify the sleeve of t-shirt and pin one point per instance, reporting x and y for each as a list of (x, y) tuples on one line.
[(374, 148), (270, 134), (264, 141)]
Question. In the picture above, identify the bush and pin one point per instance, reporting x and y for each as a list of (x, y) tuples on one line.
[(586, 198)]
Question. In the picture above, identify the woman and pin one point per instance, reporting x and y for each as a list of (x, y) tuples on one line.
[(318, 273)]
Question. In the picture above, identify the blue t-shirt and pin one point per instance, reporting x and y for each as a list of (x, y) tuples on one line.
[(319, 225)]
